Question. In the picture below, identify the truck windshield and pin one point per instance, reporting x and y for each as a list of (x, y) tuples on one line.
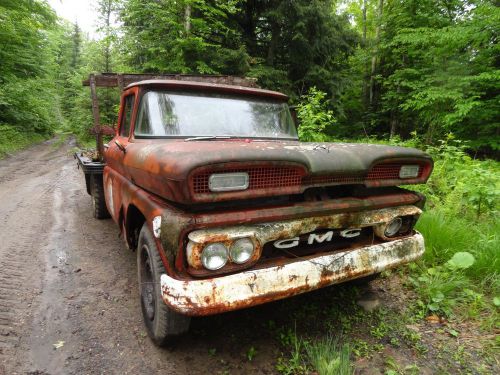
[(173, 114)]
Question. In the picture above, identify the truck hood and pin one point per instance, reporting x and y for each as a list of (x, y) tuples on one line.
[(175, 159), (163, 167)]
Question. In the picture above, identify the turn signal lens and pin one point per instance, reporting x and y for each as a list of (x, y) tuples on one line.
[(409, 171), (242, 250), (228, 182), (393, 227), (214, 256)]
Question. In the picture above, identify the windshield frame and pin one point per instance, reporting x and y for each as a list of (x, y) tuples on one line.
[(184, 91)]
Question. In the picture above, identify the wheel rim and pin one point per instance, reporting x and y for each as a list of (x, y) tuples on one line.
[(147, 288)]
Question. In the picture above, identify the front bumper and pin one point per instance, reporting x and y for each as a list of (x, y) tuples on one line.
[(256, 286)]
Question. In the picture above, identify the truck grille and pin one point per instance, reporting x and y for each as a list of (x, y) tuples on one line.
[(259, 178), (281, 177), (387, 172)]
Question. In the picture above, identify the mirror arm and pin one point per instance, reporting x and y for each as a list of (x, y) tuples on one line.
[(120, 146)]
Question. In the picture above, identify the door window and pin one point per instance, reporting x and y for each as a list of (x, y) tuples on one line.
[(127, 115)]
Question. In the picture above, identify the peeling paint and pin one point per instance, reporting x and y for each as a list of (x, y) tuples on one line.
[(157, 226), (287, 232), (257, 286)]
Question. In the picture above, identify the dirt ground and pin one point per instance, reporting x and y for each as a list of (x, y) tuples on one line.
[(69, 301)]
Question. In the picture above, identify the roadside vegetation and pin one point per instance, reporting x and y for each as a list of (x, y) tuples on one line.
[(421, 74), (457, 283)]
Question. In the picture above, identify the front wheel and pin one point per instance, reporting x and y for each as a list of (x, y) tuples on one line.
[(162, 323)]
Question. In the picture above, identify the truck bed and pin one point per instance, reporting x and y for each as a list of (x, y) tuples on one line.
[(89, 166)]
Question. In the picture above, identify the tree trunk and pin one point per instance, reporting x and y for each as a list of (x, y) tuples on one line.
[(364, 23), (273, 44), (366, 78), (375, 51), (107, 41), (187, 18), (394, 123)]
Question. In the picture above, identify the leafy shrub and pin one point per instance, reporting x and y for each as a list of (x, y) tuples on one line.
[(443, 286), (11, 139), (314, 116), (461, 185)]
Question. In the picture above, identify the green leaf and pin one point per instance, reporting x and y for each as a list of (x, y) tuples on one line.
[(496, 301), (433, 307), (461, 260), (452, 332)]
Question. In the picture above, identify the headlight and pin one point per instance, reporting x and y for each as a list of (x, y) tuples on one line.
[(242, 250), (214, 256), (409, 171), (228, 181), (393, 227)]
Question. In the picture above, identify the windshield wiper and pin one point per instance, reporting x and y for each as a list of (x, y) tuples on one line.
[(208, 138)]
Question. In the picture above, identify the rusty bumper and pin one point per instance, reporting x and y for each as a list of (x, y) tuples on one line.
[(253, 287)]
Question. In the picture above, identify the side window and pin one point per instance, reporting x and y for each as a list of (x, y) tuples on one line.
[(127, 115), (142, 123)]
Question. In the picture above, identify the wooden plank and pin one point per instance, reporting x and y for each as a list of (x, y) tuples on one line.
[(116, 80), (95, 113), (120, 82)]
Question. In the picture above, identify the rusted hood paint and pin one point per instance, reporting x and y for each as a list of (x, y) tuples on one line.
[(163, 166), (175, 159)]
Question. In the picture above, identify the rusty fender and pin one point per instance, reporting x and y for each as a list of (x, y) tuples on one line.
[(257, 286)]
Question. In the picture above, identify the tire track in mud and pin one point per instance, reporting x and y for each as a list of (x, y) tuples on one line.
[(25, 182), (10, 306)]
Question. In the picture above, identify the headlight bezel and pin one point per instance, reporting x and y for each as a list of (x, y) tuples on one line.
[(195, 250), (221, 248), (232, 247)]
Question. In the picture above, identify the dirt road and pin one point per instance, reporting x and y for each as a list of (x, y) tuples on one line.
[(68, 293)]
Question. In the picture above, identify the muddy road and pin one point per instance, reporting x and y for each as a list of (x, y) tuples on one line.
[(68, 287)]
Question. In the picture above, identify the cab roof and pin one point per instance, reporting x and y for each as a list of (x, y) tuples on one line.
[(204, 86)]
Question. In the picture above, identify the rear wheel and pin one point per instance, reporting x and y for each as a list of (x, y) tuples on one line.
[(99, 208), (162, 323)]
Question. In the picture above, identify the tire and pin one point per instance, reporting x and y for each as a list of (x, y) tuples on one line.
[(163, 324), (99, 208)]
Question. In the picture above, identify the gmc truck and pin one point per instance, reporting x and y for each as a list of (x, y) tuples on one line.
[(208, 182)]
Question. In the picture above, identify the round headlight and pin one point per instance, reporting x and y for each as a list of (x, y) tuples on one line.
[(393, 227), (242, 250), (214, 256)]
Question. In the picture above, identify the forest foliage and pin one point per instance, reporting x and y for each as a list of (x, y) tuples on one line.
[(386, 68)]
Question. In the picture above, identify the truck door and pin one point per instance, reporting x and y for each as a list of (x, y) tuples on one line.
[(116, 152)]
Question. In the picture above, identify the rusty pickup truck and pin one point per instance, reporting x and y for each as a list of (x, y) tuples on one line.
[(227, 209)]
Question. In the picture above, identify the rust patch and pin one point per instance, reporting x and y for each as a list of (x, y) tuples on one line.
[(249, 288), (283, 230)]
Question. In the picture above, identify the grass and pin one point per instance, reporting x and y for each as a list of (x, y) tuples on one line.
[(446, 235), (329, 357)]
